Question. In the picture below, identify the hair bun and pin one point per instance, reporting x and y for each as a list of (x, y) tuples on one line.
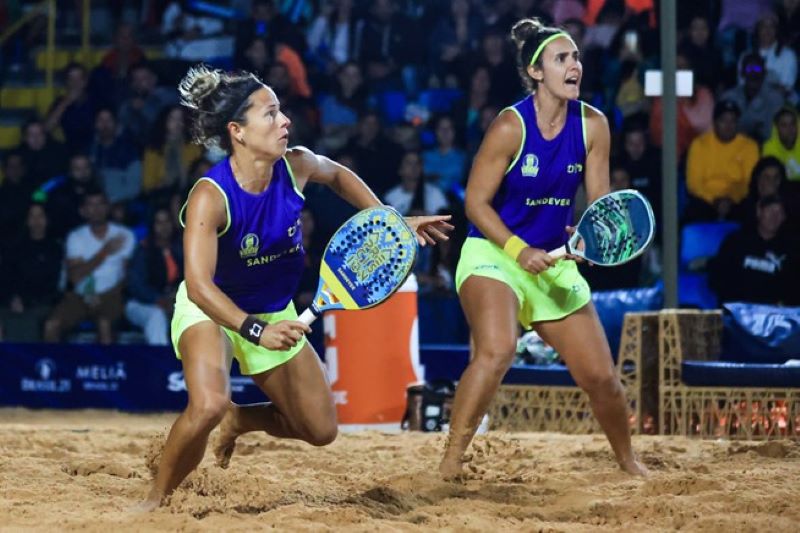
[(524, 30), (198, 84)]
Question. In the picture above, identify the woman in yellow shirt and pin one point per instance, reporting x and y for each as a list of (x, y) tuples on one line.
[(784, 143), (169, 154)]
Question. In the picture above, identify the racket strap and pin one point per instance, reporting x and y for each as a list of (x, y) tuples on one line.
[(252, 328), (513, 246)]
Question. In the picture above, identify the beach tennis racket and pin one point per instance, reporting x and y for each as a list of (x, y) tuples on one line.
[(614, 229), (366, 261)]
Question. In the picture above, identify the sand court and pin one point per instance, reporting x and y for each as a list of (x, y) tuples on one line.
[(84, 469)]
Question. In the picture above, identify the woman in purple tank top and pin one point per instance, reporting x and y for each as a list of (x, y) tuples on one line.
[(242, 236), (519, 200)]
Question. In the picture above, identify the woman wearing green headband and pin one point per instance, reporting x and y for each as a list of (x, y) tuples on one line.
[(519, 201)]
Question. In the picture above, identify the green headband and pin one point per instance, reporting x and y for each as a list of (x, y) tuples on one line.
[(545, 43)]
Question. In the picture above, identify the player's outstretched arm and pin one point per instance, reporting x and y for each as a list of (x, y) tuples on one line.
[(310, 167)]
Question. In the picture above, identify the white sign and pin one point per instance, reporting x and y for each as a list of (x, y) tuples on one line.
[(654, 86)]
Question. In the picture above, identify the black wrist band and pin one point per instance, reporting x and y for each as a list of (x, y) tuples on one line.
[(252, 328)]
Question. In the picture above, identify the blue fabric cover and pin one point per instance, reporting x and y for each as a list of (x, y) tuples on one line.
[(756, 333), (724, 374)]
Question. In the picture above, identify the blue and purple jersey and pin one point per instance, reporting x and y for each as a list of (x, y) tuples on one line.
[(535, 199), (260, 250)]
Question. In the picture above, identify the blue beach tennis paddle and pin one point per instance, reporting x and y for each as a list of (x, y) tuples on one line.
[(614, 229), (366, 261)]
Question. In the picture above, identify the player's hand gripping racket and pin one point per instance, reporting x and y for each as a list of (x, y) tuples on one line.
[(366, 261), (614, 229)]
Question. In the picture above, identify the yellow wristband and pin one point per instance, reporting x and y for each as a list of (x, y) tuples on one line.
[(513, 246)]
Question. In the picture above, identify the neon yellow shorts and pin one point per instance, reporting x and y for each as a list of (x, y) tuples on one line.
[(551, 295), (252, 359)]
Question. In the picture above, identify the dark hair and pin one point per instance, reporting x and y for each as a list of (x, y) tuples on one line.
[(158, 133), (418, 200), (528, 34), (92, 190), (106, 109), (785, 110), (217, 98), (761, 165), (74, 66), (4, 158)]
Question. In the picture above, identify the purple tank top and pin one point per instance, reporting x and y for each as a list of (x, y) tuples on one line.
[(535, 199), (260, 251)]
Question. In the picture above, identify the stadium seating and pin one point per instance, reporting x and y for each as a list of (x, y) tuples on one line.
[(699, 242)]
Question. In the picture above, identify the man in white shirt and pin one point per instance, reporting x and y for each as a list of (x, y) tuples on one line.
[(96, 260)]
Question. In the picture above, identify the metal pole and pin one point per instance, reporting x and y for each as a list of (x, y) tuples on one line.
[(669, 155)]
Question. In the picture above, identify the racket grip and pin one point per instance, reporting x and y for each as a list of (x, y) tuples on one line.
[(307, 317), (559, 252)]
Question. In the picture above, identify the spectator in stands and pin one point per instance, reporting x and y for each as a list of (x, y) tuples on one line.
[(780, 60), (445, 163), (468, 110), (340, 109), (124, 54), (331, 35), (718, 167), (262, 53), (385, 44), (706, 59), (43, 157), (15, 194), (141, 108), (642, 161), (630, 98), (784, 143), (695, 113), (435, 270), (376, 157), (768, 179), (63, 195), (33, 267), (169, 154), (115, 159), (181, 27), (73, 111), (415, 194), (788, 12), (97, 254), (476, 133), (758, 101), (453, 41), (155, 272), (267, 23), (758, 263), (495, 56)]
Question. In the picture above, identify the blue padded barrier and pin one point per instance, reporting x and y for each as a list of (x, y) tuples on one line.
[(612, 305), (700, 241), (724, 374), (552, 375), (757, 333)]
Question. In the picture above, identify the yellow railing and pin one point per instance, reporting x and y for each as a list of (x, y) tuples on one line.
[(48, 8)]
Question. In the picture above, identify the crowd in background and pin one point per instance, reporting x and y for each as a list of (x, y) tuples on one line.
[(400, 91)]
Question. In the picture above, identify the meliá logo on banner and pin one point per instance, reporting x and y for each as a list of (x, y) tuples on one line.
[(46, 380), (101, 377)]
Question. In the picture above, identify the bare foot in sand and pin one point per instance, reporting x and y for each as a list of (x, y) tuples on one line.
[(226, 440), (152, 503), (453, 469), (634, 467)]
